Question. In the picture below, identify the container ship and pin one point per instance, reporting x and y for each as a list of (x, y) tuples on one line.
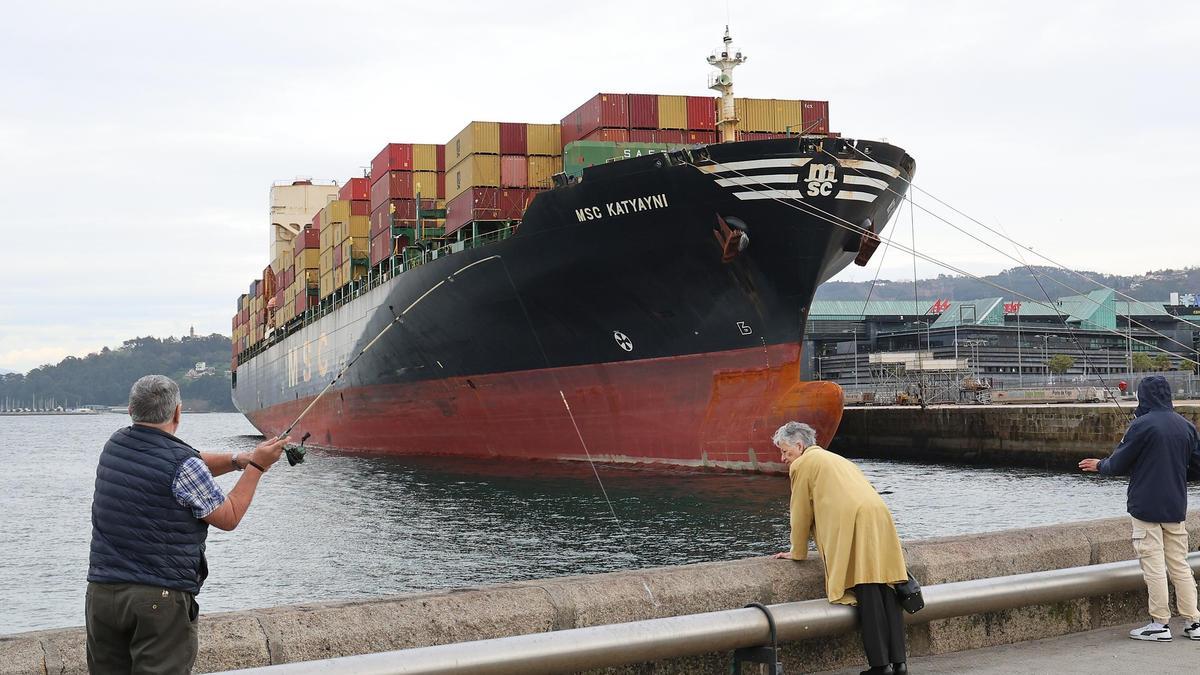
[(629, 285)]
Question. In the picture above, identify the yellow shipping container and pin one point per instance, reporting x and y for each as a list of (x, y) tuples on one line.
[(787, 114), (359, 226), (755, 114), (672, 112), (424, 157), (326, 284), (477, 137), (541, 169), (308, 258), (336, 211), (426, 183), (312, 277), (544, 139), (326, 261), (326, 237), (473, 171)]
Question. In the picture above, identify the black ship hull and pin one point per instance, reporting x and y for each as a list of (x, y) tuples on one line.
[(662, 299)]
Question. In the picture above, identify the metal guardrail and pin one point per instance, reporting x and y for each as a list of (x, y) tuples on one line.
[(690, 635)]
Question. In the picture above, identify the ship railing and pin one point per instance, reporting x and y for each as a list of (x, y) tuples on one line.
[(376, 276)]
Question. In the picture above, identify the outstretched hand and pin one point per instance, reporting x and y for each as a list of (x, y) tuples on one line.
[(267, 453)]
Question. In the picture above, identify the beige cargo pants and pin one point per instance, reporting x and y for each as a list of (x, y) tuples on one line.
[(1162, 551)]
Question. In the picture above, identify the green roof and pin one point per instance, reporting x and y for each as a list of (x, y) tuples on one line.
[(1097, 310)]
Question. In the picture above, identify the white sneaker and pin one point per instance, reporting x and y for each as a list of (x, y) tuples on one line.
[(1192, 631), (1155, 632)]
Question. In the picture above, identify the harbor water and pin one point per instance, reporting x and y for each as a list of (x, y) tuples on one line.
[(341, 527)]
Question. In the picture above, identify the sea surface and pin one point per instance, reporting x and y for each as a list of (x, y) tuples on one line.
[(340, 527)]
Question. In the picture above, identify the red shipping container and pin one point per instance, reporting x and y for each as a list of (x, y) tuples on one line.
[(355, 188), (611, 135), (480, 203), (441, 184), (643, 111), (512, 138), (309, 237), (395, 185), (814, 116), (702, 137), (677, 136), (602, 110), (441, 158), (393, 157), (316, 221), (701, 113), (514, 202), (514, 171), (381, 247), (337, 256), (360, 207)]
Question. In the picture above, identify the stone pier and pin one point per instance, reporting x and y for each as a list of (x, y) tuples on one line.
[(322, 630)]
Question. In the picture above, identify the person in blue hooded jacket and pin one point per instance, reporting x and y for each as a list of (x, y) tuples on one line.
[(1160, 453)]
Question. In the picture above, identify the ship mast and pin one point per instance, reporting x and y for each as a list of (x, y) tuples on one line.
[(725, 60)]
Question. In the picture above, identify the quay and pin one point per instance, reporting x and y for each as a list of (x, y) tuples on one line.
[(1047, 436), (281, 635)]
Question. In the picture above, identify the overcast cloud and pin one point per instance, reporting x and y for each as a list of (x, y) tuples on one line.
[(139, 139)]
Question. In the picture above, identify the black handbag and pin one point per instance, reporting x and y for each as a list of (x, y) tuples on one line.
[(909, 595)]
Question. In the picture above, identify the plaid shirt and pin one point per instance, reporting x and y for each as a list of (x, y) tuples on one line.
[(194, 488)]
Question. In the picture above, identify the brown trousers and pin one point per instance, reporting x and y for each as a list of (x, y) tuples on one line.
[(135, 629)]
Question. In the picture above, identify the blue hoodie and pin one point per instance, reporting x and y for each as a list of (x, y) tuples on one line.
[(1159, 453)]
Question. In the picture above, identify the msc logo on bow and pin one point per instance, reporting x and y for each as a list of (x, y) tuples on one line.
[(821, 178)]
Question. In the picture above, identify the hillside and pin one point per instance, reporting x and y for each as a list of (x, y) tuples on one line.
[(104, 377), (1150, 286)]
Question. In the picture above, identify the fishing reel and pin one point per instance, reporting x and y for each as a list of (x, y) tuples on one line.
[(296, 453)]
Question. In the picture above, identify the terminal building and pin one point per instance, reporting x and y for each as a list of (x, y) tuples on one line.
[(1005, 343)]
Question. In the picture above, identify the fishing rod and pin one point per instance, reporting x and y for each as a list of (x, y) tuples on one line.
[(295, 454)]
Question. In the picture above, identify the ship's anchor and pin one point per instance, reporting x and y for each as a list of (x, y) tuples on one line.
[(732, 237)]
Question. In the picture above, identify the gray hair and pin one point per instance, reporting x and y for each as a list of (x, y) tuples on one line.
[(795, 433), (153, 399)]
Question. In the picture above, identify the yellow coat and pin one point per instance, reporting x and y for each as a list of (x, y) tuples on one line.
[(835, 503)]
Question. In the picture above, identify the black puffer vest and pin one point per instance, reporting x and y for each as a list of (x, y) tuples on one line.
[(140, 533)]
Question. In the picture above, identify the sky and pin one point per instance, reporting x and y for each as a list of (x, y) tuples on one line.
[(138, 140)]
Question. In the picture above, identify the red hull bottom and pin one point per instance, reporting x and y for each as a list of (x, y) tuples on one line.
[(714, 410)]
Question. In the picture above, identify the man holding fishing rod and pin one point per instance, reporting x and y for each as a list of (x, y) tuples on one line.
[(155, 498), (1160, 453)]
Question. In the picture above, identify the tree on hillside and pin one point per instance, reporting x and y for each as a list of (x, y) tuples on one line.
[(104, 378)]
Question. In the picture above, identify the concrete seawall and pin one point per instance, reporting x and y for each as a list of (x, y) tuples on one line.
[(1043, 436), (302, 632)]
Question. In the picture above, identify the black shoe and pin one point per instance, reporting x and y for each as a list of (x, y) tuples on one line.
[(878, 670), (900, 668)]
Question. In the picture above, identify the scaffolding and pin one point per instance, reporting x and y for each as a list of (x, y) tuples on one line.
[(917, 377)]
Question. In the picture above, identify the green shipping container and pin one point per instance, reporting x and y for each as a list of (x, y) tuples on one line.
[(579, 155)]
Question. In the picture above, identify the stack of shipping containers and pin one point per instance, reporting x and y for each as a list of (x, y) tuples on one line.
[(763, 118), (617, 126), (496, 170), (487, 174), (399, 173)]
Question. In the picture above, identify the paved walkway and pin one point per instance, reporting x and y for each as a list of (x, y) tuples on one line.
[(1108, 650)]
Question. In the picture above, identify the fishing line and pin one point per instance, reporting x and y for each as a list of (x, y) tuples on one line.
[(397, 318), (546, 360)]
